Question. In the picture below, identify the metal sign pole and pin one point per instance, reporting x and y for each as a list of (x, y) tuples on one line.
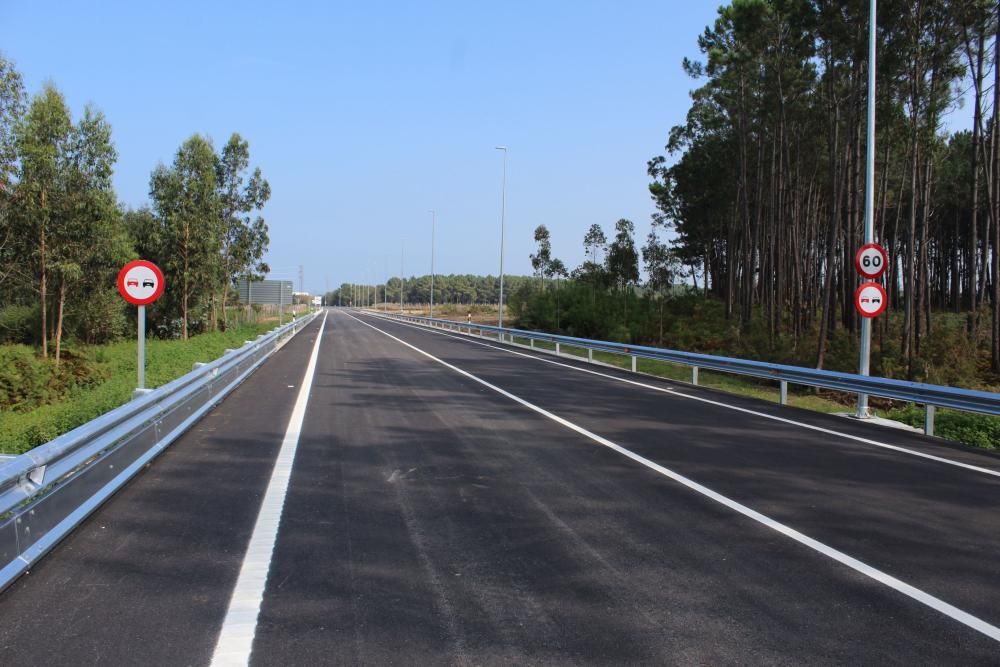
[(142, 347), (866, 322)]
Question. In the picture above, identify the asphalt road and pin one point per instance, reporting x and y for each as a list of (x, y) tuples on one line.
[(479, 512)]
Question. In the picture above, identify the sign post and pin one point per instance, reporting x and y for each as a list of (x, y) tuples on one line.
[(140, 283), (141, 343), (870, 261)]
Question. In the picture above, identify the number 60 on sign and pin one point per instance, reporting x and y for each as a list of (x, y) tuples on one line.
[(871, 260)]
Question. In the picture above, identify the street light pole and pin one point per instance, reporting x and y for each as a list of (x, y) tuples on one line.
[(401, 278), (433, 216), (503, 214), (866, 322)]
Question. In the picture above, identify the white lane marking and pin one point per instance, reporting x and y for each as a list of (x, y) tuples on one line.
[(240, 625), (937, 604), (784, 420)]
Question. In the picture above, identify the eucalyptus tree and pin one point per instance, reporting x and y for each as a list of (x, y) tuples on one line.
[(12, 106), (660, 264), (90, 212), (243, 236), (186, 200), (623, 262), (41, 140), (622, 259), (594, 242), (542, 258)]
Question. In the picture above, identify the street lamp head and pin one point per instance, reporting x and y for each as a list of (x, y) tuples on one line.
[(501, 148)]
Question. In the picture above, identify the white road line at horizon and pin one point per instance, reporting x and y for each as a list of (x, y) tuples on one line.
[(240, 625), (680, 394), (888, 580)]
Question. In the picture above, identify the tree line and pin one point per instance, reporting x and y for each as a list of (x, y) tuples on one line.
[(767, 191), (462, 289), (64, 235)]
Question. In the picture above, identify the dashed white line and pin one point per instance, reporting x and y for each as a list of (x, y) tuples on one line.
[(898, 585), (680, 394), (240, 625)]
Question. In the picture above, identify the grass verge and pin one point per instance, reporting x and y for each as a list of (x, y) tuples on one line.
[(115, 366), (968, 428)]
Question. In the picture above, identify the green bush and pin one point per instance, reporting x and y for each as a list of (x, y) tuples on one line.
[(24, 378), (19, 324), (965, 427), (100, 319)]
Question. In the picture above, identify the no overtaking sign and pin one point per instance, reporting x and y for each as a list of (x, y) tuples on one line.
[(140, 282)]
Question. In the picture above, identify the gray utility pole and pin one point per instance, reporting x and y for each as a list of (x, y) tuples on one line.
[(866, 322), (433, 215), (400, 277), (503, 213), (385, 300)]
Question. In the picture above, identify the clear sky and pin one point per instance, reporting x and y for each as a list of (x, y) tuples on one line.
[(366, 115)]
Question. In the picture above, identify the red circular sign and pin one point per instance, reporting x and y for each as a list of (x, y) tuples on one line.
[(871, 260), (140, 282), (869, 299)]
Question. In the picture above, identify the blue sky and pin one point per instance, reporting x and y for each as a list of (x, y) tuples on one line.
[(364, 116)]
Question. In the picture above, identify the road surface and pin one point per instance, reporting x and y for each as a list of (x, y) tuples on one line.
[(453, 501)]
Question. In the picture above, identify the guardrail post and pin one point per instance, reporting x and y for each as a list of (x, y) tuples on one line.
[(531, 343), (633, 363), (198, 364), (590, 355), (557, 349), (139, 393), (929, 420), (783, 393), (694, 375)]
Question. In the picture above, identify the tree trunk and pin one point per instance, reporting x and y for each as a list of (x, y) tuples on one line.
[(831, 236), (993, 188), (42, 287), (59, 321)]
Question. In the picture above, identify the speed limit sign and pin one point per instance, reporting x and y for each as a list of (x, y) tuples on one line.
[(871, 260)]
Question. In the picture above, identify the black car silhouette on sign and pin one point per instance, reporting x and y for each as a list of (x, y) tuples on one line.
[(148, 283)]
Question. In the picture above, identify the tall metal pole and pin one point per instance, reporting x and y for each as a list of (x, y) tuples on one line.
[(866, 322), (433, 215), (401, 277), (385, 304), (503, 214)]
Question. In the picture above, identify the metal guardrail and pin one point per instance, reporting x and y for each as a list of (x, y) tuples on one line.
[(928, 395), (48, 491)]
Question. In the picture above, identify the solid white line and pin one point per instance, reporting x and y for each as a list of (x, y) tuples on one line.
[(937, 604), (238, 629), (784, 420)]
